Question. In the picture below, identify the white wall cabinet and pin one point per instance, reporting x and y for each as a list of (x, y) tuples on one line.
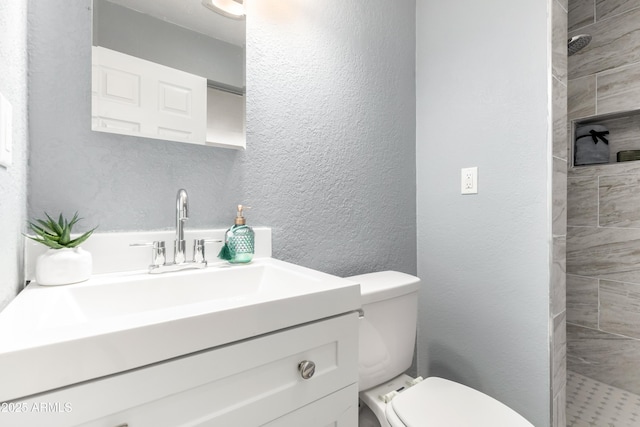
[(225, 119), (251, 383), (132, 96)]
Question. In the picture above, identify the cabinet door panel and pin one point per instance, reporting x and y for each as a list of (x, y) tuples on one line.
[(245, 384), (135, 97)]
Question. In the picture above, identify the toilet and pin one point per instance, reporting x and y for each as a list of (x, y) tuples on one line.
[(389, 398)]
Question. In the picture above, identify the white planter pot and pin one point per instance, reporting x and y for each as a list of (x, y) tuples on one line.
[(63, 266)]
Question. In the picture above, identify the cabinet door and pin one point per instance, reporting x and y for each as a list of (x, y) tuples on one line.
[(246, 384), (132, 96)]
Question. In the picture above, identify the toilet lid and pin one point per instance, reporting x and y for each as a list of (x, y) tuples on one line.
[(436, 402)]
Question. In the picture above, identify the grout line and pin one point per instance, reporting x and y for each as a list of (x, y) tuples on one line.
[(603, 227), (562, 7), (595, 93), (602, 331), (598, 202), (616, 15), (598, 316)]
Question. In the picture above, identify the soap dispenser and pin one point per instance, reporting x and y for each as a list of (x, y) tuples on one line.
[(238, 240)]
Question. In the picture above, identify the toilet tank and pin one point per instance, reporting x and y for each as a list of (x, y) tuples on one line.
[(388, 328)]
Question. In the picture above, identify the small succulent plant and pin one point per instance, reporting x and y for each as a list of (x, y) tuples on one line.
[(57, 235)]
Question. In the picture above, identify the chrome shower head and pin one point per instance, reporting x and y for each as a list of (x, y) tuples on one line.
[(578, 42)]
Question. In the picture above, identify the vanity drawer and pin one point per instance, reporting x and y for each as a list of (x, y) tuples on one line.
[(338, 409), (245, 384)]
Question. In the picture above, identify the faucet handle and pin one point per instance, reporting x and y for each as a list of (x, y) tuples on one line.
[(198, 248), (158, 254)]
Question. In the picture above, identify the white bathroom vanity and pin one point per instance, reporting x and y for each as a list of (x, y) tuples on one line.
[(269, 343)]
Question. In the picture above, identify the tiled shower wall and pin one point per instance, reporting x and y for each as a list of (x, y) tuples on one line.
[(557, 308), (605, 76), (603, 213)]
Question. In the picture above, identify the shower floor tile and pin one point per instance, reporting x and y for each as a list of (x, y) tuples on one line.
[(591, 403)]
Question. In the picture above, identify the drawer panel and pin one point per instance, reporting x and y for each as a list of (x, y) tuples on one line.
[(250, 382), (339, 409)]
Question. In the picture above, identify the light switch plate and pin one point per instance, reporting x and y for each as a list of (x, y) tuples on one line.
[(6, 132)]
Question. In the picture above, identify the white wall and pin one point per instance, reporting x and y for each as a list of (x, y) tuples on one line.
[(13, 180), (482, 100)]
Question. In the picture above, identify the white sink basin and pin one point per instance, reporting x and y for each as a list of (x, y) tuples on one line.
[(223, 286), (116, 322)]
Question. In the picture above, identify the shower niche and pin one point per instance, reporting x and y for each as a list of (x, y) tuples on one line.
[(605, 139)]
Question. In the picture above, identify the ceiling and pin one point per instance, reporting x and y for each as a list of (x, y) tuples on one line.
[(193, 15)]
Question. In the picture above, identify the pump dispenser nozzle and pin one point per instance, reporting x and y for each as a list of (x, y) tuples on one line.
[(240, 220)]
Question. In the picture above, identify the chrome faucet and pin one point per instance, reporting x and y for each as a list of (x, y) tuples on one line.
[(182, 214), (158, 264)]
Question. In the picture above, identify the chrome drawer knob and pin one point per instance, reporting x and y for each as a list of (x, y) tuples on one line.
[(306, 368)]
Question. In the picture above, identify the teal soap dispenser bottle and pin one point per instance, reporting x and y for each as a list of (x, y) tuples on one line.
[(239, 241)]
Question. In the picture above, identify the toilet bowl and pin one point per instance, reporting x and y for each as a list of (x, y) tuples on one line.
[(386, 344)]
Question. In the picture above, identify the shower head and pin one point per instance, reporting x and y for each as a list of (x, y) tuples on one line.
[(577, 43)]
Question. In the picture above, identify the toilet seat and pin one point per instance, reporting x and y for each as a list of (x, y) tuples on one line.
[(436, 402)]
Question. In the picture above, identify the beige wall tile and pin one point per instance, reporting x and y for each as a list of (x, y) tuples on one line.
[(565, 5), (582, 301), (560, 134), (559, 408), (609, 358), (606, 253), (559, 276), (559, 42), (559, 352), (619, 201), (581, 97), (582, 201), (615, 43), (581, 13), (620, 308), (608, 8), (559, 195), (619, 89), (605, 169)]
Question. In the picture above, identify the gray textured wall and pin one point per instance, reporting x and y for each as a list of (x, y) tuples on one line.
[(482, 100), (330, 159), (13, 180)]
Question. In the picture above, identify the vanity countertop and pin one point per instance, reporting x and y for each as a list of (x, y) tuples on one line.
[(54, 336)]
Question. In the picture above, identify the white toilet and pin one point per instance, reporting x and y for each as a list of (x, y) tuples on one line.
[(387, 341)]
